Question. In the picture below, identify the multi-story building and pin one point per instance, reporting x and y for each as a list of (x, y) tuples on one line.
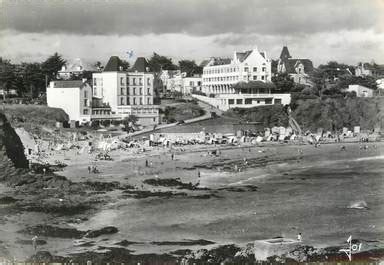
[(127, 93), (298, 69), (223, 81), (220, 74), (191, 84), (73, 96)]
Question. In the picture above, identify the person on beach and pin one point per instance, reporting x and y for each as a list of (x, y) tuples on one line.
[(34, 242), (146, 163), (198, 174), (299, 237), (173, 156), (89, 169)]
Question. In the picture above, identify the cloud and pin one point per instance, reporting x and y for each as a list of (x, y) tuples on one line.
[(349, 46), (191, 17)]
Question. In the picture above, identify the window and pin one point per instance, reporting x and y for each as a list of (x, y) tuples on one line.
[(128, 102), (245, 69), (140, 81), (121, 101), (134, 101), (148, 101), (122, 91), (262, 77), (85, 102), (268, 101), (141, 101), (121, 80), (277, 100), (85, 93), (94, 82), (254, 77), (148, 91), (263, 69), (134, 81), (148, 81), (231, 101), (134, 90), (248, 101), (141, 90), (85, 111), (239, 101), (255, 69)]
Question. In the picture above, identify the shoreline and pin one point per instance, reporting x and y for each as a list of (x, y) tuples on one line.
[(269, 158)]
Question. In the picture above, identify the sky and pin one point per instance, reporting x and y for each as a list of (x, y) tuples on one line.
[(347, 31)]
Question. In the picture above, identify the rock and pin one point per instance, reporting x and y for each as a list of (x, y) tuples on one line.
[(53, 231), (103, 231), (189, 242), (125, 243), (7, 200)]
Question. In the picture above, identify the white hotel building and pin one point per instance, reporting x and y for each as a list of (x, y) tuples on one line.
[(115, 94), (221, 75)]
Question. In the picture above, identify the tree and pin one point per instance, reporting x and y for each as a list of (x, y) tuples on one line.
[(7, 76), (99, 66), (125, 65), (33, 78), (158, 62), (190, 67), (283, 82), (129, 123), (52, 65)]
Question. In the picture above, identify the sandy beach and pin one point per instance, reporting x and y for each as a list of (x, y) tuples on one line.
[(244, 194)]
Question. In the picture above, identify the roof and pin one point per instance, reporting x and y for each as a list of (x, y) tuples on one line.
[(204, 63), (114, 65), (285, 53), (68, 83), (141, 65), (291, 64), (78, 65), (221, 61), (241, 56)]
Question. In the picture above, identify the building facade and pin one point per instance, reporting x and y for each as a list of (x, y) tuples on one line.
[(369, 69), (361, 91), (219, 75), (298, 69), (240, 82), (127, 93), (74, 97)]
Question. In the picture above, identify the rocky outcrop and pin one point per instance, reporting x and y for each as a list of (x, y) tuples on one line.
[(11, 147)]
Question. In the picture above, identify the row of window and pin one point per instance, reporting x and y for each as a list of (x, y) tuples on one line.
[(230, 78), (231, 70), (142, 111), (248, 101), (132, 81), (135, 101), (134, 91)]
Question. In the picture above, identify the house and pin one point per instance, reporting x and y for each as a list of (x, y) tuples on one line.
[(73, 96), (298, 69), (127, 93), (369, 69), (361, 91), (236, 82), (190, 84), (168, 78), (74, 69)]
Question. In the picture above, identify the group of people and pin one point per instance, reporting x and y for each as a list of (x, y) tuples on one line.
[(93, 169)]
